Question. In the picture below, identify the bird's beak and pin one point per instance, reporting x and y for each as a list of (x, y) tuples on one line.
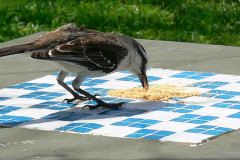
[(144, 81)]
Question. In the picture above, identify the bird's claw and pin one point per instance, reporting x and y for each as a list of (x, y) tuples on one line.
[(106, 105), (96, 95), (82, 98)]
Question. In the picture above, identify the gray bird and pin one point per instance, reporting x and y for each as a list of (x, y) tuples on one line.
[(86, 53)]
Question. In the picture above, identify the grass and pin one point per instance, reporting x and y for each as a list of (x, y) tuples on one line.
[(213, 22)]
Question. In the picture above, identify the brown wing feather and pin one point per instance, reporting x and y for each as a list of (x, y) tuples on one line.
[(94, 52)]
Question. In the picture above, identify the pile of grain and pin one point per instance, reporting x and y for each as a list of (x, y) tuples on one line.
[(154, 93)]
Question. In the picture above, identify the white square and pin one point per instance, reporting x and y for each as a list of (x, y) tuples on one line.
[(45, 124), (173, 126), (21, 102), (13, 93), (215, 111), (49, 79), (227, 122), (159, 115), (32, 112)]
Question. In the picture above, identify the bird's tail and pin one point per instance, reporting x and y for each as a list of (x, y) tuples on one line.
[(16, 49)]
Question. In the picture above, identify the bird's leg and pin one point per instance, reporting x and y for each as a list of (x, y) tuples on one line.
[(76, 96), (76, 85), (100, 103)]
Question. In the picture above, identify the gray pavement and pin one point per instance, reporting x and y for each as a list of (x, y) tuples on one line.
[(19, 143)]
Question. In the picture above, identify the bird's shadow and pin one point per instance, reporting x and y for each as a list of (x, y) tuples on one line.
[(79, 114)]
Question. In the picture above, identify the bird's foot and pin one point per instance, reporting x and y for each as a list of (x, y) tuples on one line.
[(81, 98), (106, 105), (78, 97)]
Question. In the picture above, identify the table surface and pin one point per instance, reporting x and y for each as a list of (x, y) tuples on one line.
[(31, 144)]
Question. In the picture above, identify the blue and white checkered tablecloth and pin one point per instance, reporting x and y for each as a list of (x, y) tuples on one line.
[(37, 104)]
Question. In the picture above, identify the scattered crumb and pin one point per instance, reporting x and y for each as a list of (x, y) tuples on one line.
[(154, 93)]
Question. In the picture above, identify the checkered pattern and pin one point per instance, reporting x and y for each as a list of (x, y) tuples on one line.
[(37, 104)]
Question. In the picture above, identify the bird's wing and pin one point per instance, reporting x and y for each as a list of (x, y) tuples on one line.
[(93, 52)]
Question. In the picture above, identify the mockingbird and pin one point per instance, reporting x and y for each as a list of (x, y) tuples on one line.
[(86, 53)]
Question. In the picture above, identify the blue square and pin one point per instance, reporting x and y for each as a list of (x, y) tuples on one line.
[(232, 102), (194, 107), (235, 106), (6, 117), (234, 93), (27, 84), (32, 88), (122, 123), (166, 109), (99, 81), (223, 129), (92, 125), (15, 87), (135, 135), (195, 130), (206, 74), (213, 132), (236, 115), (153, 78), (149, 121), (206, 126), (55, 94), (139, 125), (3, 98), (209, 86), (81, 130), (13, 120), (128, 78), (72, 116), (182, 111), (64, 128), (56, 108), (164, 133), (88, 84), (44, 85), (28, 96), (207, 118), (218, 91), (207, 95), (125, 72), (4, 110), (222, 105), (22, 119), (133, 120), (44, 97), (69, 82), (189, 116), (177, 105), (146, 131), (224, 96), (70, 126), (66, 116), (180, 119), (49, 103), (197, 121), (179, 76), (136, 122), (196, 77), (198, 84)]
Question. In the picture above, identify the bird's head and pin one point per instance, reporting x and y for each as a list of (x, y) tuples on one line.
[(139, 64)]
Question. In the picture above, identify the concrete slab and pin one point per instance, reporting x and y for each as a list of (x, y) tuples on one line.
[(18, 143)]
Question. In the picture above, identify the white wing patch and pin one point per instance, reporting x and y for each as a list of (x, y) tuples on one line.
[(100, 60)]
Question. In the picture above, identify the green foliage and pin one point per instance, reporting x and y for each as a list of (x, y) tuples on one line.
[(215, 22)]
